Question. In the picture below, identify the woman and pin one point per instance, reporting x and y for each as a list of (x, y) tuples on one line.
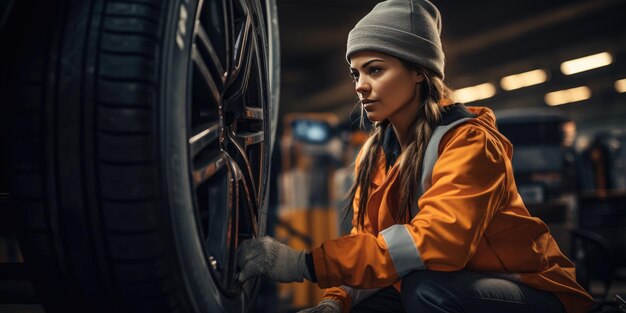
[(438, 223)]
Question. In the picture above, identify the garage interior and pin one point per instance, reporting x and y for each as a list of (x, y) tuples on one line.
[(574, 118), (484, 42)]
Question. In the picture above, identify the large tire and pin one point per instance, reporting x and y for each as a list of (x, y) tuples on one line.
[(141, 160)]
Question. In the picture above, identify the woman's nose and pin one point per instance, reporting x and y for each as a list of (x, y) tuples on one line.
[(362, 86)]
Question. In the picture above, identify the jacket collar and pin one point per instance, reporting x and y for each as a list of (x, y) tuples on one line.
[(391, 147)]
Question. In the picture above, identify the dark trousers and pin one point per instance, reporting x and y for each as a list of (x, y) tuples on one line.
[(456, 292)]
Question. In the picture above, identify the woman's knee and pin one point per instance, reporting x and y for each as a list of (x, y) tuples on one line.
[(466, 291), (422, 290)]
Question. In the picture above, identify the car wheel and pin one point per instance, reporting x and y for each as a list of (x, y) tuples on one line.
[(141, 160)]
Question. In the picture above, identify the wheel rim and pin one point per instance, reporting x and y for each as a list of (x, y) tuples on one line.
[(228, 130)]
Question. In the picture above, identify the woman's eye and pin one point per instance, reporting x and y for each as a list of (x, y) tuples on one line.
[(374, 70)]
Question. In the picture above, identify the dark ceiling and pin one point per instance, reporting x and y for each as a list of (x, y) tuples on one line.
[(483, 41)]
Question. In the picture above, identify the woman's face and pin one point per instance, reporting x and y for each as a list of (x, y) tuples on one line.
[(387, 89)]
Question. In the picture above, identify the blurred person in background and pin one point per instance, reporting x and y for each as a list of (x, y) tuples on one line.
[(438, 224)]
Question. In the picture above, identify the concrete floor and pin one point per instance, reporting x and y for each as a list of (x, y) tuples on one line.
[(619, 287), (21, 308)]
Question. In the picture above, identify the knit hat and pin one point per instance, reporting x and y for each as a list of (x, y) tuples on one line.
[(405, 29)]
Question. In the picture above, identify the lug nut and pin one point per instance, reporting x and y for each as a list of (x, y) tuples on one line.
[(213, 262)]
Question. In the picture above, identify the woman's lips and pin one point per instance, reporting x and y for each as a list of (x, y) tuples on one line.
[(368, 104)]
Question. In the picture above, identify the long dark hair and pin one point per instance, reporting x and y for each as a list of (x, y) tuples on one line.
[(434, 94)]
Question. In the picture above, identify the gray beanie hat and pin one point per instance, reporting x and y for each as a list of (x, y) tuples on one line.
[(406, 29)]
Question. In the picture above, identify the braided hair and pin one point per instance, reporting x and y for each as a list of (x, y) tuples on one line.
[(434, 94)]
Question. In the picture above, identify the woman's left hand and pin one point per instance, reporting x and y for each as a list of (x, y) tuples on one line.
[(269, 258)]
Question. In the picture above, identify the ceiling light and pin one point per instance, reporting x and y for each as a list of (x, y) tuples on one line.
[(568, 95), (620, 85), (586, 63), (525, 79), (474, 93)]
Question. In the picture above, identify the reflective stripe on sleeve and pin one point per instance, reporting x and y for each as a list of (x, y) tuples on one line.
[(402, 249)]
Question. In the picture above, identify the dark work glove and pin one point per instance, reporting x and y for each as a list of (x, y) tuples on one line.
[(269, 258)]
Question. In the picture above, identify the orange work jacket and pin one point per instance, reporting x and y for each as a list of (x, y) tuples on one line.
[(471, 218)]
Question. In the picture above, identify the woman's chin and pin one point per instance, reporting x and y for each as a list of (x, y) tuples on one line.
[(373, 117)]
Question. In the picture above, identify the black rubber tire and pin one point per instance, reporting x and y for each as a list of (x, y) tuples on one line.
[(101, 167)]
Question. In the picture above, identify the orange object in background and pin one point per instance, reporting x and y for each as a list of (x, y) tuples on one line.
[(311, 154), (319, 224)]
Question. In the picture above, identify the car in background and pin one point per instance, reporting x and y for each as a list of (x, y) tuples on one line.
[(544, 165), (602, 209)]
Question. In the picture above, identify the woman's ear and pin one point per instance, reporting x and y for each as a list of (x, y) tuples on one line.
[(419, 77)]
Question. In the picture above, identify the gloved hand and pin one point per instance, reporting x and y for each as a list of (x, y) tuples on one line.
[(267, 257), (325, 306)]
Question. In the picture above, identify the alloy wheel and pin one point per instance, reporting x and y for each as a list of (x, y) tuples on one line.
[(228, 130)]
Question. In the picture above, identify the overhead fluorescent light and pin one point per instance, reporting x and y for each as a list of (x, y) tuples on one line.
[(568, 95), (586, 63), (620, 85), (475, 93), (522, 80)]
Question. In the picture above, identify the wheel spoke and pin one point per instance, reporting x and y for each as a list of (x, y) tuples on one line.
[(241, 76), (214, 18), (234, 175), (247, 180), (203, 38), (203, 138), (204, 71), (242, 42), (243, 39), (245, 162), (228, 35), (204, 172), (241, 150), (239, 188), (252, 206)]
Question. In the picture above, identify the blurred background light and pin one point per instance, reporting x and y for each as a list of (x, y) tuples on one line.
[(568, 95), (522, 80), (474, 93), (586, 63), (620, 85)]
